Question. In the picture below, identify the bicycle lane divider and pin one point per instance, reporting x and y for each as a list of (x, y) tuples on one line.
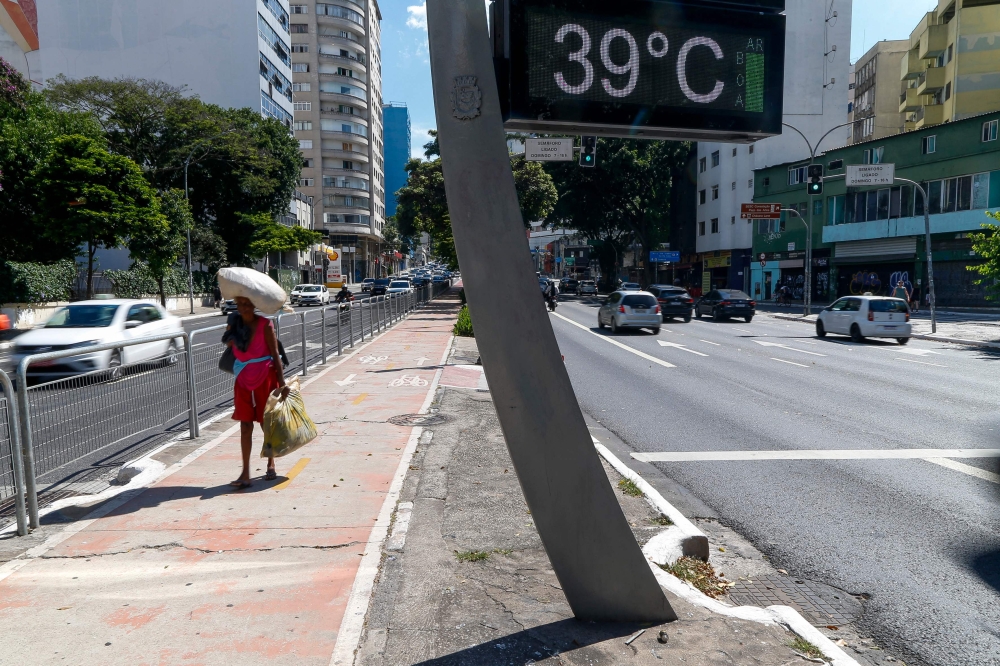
[(170, 572)]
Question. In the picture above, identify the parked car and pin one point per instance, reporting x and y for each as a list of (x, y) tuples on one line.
[(228, 307), (399, 287), (569, 285), (366, 285), (725, 304), (89, 323), (674, 301), (630, 286), (379, 287), (866, 317), (630, 309), (310, 294), (587, 287)]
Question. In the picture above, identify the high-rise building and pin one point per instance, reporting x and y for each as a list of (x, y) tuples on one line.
[(876, 91), (234, 54), (19, 36), (951, 70), (337, 93), (817, 45), (397, 151)]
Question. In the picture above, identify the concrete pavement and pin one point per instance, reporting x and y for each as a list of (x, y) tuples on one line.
[(190, 571)]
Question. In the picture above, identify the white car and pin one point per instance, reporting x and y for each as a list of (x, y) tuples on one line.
[(630, 309), (90, 323), (587, 287), (399, 287), (866, 317), (310, 294)]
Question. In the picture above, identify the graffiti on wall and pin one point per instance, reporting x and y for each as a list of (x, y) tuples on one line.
[(868, 281)]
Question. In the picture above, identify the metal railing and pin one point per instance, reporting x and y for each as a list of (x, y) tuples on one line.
[(70, 436)]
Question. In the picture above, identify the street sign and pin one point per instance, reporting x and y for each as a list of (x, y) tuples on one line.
[(864, 175), (763, 260), (660, 257), (764, 211), (548, 150), (666, 69)]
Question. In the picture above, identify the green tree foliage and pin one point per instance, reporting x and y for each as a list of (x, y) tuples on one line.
[(626, 196), (90, 197), (36, 283), (268, 236), (987, 247), (161, 242)]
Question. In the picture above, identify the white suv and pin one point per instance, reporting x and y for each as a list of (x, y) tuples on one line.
[(867, 317)]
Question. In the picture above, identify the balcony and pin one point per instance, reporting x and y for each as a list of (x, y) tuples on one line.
[(912, 66), (931, 81), (345, 136), (350, 155), (933, 42), (929, 115), (331, 33), (344, 61), (334, 110), (344, 20), (909, 101)]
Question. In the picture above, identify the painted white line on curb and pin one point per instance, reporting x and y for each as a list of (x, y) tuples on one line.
[(780, 360), (616, 343), (816, 454), (966, 469)]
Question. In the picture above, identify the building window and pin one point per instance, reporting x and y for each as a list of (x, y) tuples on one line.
[(275, 8), (715, 225), (306, 182), (300, 67), (715, 192), (750, 183), (302, 125), (734, 186), (303, 106), (300, 48), (701, 197), (298, 9), (299, 28), (268, 34), (874, 155), (301, 87), (836, 209), (732, 220), (990, 130), (836, 164), (734, 152), (270, 109), (797, 175), (817, 207), (702, 165), (928, 145), (715, 159), (701, 228), (305, 144), (275, 78), (947, 91), (308, 163), (751, 149)]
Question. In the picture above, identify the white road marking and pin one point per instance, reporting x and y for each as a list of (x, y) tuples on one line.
[(616, 343), (349, 379), (775, 344), (742, 329), (966, 469), (915, 352), (816, 454), (910, 360), (677, 346), (422, 360), (710, 343), (779, 360)]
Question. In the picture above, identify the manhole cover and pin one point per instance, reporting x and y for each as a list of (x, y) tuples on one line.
[(820, 604), (419, 419)]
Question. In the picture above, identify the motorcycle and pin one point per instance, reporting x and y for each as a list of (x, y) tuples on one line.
[(551, 303)]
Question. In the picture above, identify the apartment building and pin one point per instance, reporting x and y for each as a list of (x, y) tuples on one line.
[(817, 46), (876, 100), (952, 68), (397, 151), (19, 36), (337, 96)]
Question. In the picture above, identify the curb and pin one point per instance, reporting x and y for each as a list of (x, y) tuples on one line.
[(915, 336), (684, 532)]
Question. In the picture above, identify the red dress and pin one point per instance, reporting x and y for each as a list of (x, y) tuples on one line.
[(255, 377)]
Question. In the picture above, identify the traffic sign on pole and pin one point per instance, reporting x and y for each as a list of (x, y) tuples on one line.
[(863, 175), (764, 211), (548, 150), (665, 257), (763, 260)]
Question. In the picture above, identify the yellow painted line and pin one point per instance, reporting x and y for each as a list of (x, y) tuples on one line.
[(293, 472), (390, 366), (357, 401)]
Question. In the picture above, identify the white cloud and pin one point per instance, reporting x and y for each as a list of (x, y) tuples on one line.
[(418, 16)]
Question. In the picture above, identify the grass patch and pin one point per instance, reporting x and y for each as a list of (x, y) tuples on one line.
[(472, 555), (503, 551), (463, 327), (629, 488), (700, 574), (662, 520), (803, 646)]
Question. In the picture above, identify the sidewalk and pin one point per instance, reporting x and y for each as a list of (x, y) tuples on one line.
[(191, 572)]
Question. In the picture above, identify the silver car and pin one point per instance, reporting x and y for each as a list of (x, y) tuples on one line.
[(630, 309)]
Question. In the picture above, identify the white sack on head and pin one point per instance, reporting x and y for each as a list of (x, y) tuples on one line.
[(266, 294)]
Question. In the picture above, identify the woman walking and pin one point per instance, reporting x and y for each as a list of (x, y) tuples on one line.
[(258, 372)]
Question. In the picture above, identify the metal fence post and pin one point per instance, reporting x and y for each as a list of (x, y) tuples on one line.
[(193, 429), (322, 334), (27, 451), (304, 348), (339, 314), (350, 324), (16, 458)]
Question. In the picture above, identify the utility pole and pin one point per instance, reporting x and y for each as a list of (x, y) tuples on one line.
[(927, 242)]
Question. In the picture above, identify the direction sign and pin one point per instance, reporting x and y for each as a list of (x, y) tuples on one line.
[(862, 175), (548, 150), (660, 257), (667, 69), (766, 211)]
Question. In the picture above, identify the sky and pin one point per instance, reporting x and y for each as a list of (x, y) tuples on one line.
[(406, 75)]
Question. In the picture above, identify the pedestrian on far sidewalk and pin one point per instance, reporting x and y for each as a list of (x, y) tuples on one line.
[(258, 372), (901, 292), (915, 300), (217, 295)]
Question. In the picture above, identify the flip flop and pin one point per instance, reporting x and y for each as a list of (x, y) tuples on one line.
[(239, 484), (271, 475)]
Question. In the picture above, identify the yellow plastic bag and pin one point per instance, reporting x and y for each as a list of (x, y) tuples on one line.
[(287, 427)]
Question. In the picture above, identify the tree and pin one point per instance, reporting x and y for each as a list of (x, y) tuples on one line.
[(161, 242), (88, 196), (986, 245), (207, 247), (269, 236)]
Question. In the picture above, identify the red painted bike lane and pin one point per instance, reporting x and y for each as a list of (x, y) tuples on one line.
[(192, 572)]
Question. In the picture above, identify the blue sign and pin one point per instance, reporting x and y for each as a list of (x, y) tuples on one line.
[(665, 257)]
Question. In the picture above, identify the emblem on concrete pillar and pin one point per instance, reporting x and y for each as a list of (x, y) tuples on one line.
[(466, 98)]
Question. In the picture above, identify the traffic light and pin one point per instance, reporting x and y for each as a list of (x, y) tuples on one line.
[(815, 179), (588, 151)]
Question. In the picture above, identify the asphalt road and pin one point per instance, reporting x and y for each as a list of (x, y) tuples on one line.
[(922, 539)]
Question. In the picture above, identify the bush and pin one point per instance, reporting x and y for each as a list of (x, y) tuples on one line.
[(36, 283), (463, 327), (138, 282)]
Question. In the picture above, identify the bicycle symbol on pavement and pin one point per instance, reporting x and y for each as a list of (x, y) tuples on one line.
[(408, 380), (372, 360)]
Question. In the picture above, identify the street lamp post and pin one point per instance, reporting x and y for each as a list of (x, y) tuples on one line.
[(927, 243), (807, 300), (808, 238)]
